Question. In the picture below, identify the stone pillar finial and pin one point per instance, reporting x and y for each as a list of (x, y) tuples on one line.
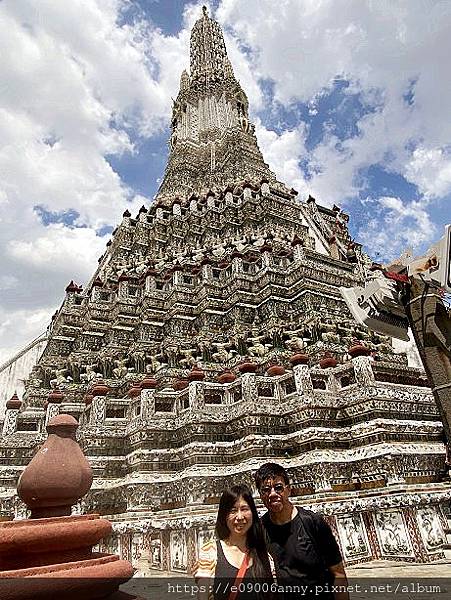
[(58, 475)]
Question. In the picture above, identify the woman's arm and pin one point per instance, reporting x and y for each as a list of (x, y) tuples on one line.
[(204, 571)]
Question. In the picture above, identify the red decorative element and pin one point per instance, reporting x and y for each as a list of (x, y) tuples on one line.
[(100, 389), (58, 475), (97, 282), (50, 555), (195, 270), (396, 276), (88, 399), (296, 241), (332, 239), (55, 397), (376, 267), (266, 248), (196, 374), (236, 254), (72, 287), (124, 277), (247, 367), (328, 361), (299, 359), (264, 180), (151, 272), (181, 383), (177, 267), (275, 370), (223, 264), (14, 402), (149, 383), (358, 349), (226, 377), (207, 261), (135, 390)]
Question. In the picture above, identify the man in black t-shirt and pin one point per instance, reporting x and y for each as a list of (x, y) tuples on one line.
[(307, 556)]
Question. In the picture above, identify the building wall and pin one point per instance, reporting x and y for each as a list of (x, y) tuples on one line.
[(15, 370)]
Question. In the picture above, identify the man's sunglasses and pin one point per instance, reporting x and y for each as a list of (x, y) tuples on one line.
[(278, 488)]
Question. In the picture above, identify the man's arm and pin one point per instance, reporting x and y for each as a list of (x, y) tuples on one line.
[(338, 571)]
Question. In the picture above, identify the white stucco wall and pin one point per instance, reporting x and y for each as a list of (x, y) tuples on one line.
[(15, 370), (413, 358)]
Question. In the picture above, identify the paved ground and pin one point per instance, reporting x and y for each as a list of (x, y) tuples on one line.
[(379, 580)]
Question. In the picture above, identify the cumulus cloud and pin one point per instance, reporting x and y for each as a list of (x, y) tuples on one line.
[(397, 226), (283, 152), (81, 83), (394, 55)]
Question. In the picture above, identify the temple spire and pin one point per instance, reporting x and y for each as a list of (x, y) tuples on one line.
[(213, 143), (207, 48)]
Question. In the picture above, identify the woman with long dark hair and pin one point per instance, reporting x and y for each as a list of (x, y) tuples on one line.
[(238, 558)]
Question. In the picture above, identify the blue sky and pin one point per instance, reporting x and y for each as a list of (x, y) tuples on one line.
[(350, 102)]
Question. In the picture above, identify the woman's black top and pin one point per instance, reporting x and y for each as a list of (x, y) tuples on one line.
[(225, 576)]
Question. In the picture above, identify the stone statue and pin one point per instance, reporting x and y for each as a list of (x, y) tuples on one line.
[(90, 374), (257, 348), (139, 360), (222, 354), (189, 359), (62, 379), (121, 369)]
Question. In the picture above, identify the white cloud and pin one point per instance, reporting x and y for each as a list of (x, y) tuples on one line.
[(283, 153), (76, 80), (397, 226), (430, 170), (19, 327), (384, 50), (78, 84)]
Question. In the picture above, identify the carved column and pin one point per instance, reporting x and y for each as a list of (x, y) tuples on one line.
[(206, 272), (229, 199), (147, 403), (363, 370), (303, 380), (249, 387), (98, 410), (52, 411), (237, 264), (177, 277), (54, 399), (123, 287), (10, 422), (196, 394), (266, 258)]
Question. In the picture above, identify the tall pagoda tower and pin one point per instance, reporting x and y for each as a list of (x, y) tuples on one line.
[(212, 338)]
